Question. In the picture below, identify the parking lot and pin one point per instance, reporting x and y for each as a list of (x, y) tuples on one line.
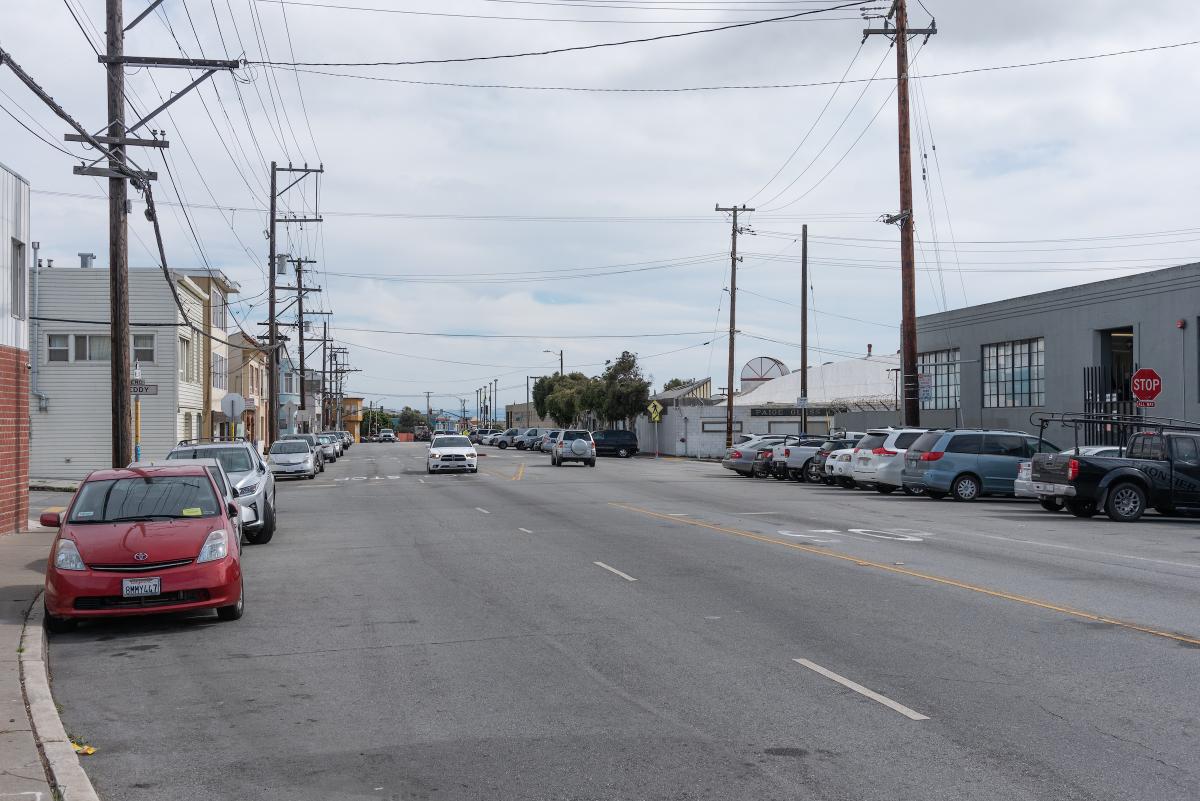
[(656, 629)]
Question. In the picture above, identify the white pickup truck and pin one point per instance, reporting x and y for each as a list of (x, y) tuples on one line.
[(790, 457)]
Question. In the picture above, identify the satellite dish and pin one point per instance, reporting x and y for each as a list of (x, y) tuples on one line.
[(763, 368)]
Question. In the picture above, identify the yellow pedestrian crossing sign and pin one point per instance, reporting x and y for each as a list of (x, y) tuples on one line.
[(655, 409)]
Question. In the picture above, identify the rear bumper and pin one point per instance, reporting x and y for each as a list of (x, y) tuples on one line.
[(1023, 488), (217, 583), (1058, 490)]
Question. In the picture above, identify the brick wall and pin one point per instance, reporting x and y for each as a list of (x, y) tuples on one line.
[(14, 439)]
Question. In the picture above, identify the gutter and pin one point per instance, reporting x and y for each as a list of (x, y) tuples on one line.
[(35, 336)]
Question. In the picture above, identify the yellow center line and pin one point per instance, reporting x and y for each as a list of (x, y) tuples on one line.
[(520, 474), (949, 582)]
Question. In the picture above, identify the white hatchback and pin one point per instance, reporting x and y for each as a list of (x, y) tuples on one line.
[(451, 452), (838, 467)]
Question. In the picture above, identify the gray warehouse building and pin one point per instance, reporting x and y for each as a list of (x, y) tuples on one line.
[(1068, 350)]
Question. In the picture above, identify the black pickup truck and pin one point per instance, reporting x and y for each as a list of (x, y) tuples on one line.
[(1160, 469)]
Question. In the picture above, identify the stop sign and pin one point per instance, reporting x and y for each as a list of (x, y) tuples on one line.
[(1146, 384)]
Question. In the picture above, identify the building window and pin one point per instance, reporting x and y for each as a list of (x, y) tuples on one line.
[(92, 348), (18, 276), (219, 311), (187, 364), (58, 348), (187, 422), (942, 368), (143, 348), (1014, 373), (220, 371)]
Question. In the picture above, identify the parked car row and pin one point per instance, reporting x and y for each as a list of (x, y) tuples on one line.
[(611, 442), (964, 464), (166, 535)]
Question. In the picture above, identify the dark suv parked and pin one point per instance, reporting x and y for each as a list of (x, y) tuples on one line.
[(615, 443)]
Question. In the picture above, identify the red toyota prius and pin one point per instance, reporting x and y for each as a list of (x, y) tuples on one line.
[(144, 540)]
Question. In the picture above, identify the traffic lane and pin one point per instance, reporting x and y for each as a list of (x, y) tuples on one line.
[(278, 705), (968, 542), (981, 662)]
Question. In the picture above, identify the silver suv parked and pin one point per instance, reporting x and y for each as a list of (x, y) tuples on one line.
[(251, 481), (573, 445)]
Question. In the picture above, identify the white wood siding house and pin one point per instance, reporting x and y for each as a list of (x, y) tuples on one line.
[(71, 427)]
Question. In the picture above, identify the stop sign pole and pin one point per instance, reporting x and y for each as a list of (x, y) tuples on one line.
[(1146, 385)]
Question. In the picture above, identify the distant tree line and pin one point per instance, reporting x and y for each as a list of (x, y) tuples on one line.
[(618, 395)]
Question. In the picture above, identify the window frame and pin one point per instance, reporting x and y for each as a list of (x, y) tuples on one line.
[(1013, 373), (945, 368), (66, 349), (133, 348), (18, 279), (86, 340)]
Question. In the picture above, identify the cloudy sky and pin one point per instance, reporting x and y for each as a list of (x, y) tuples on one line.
[(584, 219)]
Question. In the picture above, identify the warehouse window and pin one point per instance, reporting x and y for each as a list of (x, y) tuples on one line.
[(18, 279), (1014, 373), (940, 389), (143, 348), (58, 348), (92, 348)]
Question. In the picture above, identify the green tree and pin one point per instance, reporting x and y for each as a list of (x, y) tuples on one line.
[(409, 419), (541, 391), (676, 383), (626, 391), (568, 399)]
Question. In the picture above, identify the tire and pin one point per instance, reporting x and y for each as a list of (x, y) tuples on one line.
[(1051, 504), (1084, 509), (502, 445), (812, 476), (322, 466), (520, 446), (591, 462), (623, 453), (312, 475), (58, 625), (233, 611), (263, 535), (1126, 502), (884, 489), (781, 474), (966, 488), (847, 483), (934, 494), (473, 470), (913, 492)]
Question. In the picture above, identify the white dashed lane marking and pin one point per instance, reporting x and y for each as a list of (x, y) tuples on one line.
[(858, 688), (612, 569)]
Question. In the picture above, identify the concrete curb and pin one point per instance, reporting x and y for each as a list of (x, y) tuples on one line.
[(38, 486), (67, 778)]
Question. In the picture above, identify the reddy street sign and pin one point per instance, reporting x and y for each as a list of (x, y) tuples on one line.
[(1146, 385)]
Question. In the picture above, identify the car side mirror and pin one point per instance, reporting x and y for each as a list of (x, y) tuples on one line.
[(262, 468), (50, 519), (234, 510)]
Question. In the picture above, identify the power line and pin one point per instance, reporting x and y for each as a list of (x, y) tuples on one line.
[(516, 336), (731, 87), (553, 51)]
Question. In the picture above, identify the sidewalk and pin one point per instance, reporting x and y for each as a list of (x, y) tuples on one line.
[(22, 560), (50, 485)]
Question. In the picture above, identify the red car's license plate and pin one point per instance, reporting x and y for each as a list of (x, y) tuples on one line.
[(138, 587)]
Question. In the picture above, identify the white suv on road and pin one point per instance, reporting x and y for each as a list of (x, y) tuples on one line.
[(879, 458), (573, 445)]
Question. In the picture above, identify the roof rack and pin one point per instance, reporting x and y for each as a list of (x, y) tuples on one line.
[(200, 440), (1092, 422)]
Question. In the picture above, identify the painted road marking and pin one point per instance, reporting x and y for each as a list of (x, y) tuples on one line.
[(903, 571), (479, 509), (746, 514), (678, 514), (1085, 550), (527, 531), (812, 537), (611, 569), (520, 474), (858, 688), (420, 481), (885, 535)]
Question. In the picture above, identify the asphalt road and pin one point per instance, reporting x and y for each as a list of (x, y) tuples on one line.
[(632, 632)]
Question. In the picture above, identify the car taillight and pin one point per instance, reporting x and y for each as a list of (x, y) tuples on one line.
[(883, 452), (735, 455), (932, 456), (823, 453), (1072, 470), (854, 451), (765, 454), (787, 453)]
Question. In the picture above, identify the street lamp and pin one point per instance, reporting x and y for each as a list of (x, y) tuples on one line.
[(561, 371)]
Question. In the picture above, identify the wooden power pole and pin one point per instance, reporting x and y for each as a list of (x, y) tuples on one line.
[(118, 240), (908, 281), (733, 260), (804, 326)]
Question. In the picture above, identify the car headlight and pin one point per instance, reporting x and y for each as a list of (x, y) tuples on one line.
[(472, 455), (66, 556), (433, 455), (216, 546), (249, 489)]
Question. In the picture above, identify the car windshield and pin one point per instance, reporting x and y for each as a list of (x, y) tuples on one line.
[(144, 498), (324, 440), (290, 446), (451, 442), (234, 460)]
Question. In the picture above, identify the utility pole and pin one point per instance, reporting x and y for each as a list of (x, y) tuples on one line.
[(908, 281), (804, 325), (272, 260), (733, 260), (428, 412), (118, 239), (325, 377)]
